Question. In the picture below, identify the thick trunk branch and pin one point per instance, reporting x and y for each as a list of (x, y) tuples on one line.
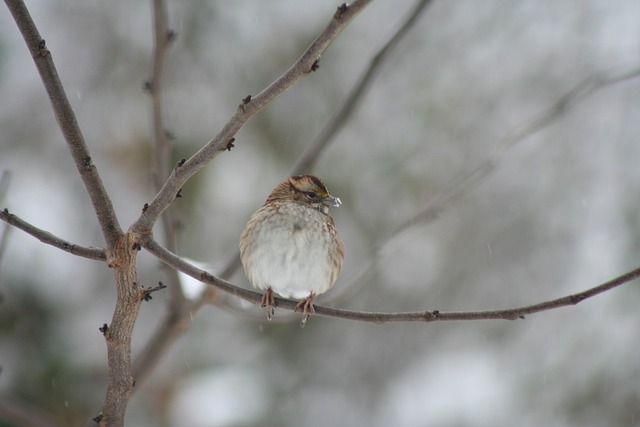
[(118, 333)]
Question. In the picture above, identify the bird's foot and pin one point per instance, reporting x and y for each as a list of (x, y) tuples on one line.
[(306, 305), (269, 301)]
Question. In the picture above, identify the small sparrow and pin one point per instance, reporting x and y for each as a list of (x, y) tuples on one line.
[(290, 245)]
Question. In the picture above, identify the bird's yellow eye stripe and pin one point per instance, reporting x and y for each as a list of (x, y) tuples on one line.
[(312, 194)]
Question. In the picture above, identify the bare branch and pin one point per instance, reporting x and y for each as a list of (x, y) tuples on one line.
[(178, 263), (168, 330), (379, 317), (118, 334), (176, 317), (97, 254), (162, 38), (507, 314), (246, 110), (67, 122), (162, 143)]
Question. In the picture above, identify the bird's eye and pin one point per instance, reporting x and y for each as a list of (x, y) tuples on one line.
[(312, 195)]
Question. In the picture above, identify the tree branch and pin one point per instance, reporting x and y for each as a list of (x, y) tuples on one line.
[(162, 38), (174, 261), (67, 122), (162, 143), (97, 254), (507, 314), (118, 335), (247, 109), (176, 317), (380, 317)]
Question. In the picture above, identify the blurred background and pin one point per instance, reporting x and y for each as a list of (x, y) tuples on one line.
[(559, 214)]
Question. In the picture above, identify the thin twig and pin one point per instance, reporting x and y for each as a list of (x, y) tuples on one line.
[(172, 260), (162, 38), (177, 313), (507, 314), (97, 254), (380, 317), (67, 122), (162, 143), (246, 110)]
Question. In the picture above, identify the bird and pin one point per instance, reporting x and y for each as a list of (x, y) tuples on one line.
[(290, 246)]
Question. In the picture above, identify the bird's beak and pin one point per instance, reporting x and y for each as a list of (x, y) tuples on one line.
[(335, 201)]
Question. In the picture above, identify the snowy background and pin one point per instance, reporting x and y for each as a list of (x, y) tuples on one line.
[(558, 215)]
